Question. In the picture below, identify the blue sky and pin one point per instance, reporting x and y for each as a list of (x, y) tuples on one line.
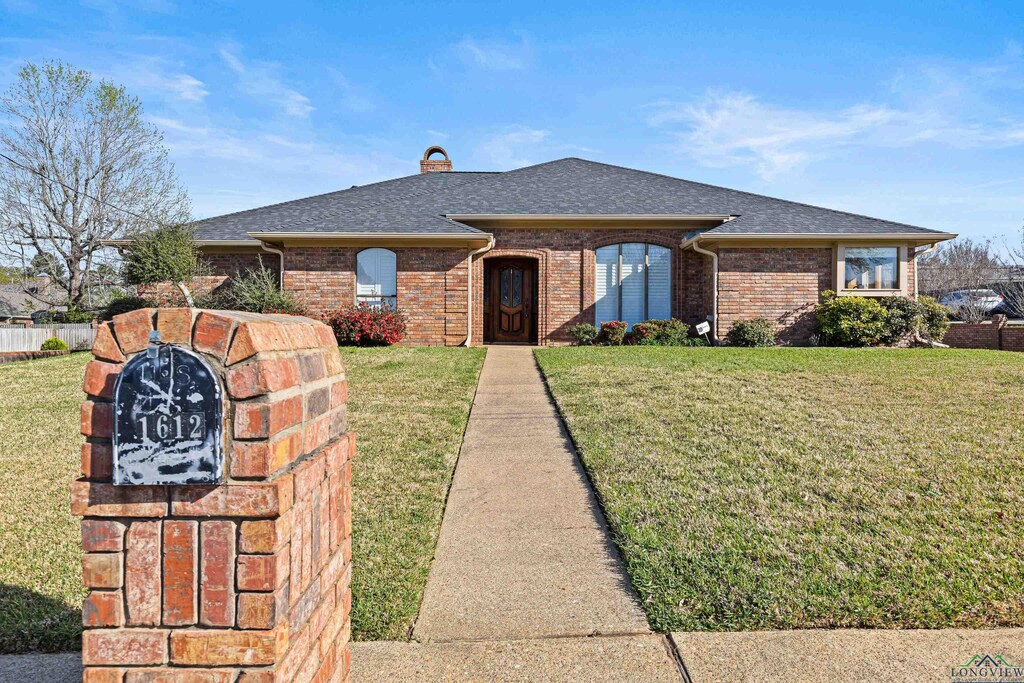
[(906, 111)]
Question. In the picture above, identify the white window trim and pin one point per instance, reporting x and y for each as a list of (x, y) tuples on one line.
[(901, 270)]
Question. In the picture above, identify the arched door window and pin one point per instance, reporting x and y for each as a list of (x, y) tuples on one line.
[(376, 278), (633, 282)]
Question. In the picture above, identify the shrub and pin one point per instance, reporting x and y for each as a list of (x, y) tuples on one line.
[(584, 333), (54, 344), (612, 333), (863, 321), (670, 332), (366, 325), (256, 291), (850, 320), (934, 318), (124, 304), (903, 317), (756, 332)]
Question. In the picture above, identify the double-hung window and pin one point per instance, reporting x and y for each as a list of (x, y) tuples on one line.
[(633, 282), (376, 278)]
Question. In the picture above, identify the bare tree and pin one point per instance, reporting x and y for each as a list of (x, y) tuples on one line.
[(1013, 280), (84, 167), (964, 268)]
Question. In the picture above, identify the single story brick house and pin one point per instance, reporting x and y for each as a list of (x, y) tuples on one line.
[(523, 255)]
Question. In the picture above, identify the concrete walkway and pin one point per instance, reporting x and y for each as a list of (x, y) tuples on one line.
[(524, 551)]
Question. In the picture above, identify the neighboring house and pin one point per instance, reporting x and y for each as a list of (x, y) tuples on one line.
[(521, 256), (20, 302)]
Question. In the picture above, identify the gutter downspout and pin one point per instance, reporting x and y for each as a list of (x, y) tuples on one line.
[(280, 269), (469, 291), (692, 242), (917, 278)]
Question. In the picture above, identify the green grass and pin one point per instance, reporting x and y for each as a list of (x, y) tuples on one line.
[(409, 407), (798, 488), (40, 550)]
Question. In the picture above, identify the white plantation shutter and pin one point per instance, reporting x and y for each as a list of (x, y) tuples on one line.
[(376, 276), (659, 282), (606, 284), (632, 283)]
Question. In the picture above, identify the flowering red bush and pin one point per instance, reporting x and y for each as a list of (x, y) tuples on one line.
[(612, 332), (366, 325)]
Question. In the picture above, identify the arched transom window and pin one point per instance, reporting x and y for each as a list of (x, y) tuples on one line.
[(376, 278), (633, 282)]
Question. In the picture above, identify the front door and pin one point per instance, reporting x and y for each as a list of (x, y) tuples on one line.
[(510, 301)]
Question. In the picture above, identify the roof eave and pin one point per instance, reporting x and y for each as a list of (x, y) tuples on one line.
[(588, 217), (919, 236)]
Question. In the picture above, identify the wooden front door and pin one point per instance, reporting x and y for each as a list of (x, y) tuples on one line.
[(510, 301)]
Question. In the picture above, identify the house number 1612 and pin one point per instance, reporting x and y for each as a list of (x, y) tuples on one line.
[(171, 427)]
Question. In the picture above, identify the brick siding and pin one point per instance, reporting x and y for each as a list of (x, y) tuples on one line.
[(783, 285)]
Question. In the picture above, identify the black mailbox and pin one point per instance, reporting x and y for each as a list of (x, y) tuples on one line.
[(168, 419)]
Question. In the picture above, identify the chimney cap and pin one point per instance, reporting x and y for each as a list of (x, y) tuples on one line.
[(428, 165)]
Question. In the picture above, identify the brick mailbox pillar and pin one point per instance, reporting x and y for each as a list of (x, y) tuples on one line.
[(244, 580)]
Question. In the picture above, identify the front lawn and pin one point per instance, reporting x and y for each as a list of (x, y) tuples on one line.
[(409, 407), (806, 488)]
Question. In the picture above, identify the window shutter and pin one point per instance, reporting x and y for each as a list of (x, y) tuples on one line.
[(632, 283), (659, 282), (606, 284), (376, 273)]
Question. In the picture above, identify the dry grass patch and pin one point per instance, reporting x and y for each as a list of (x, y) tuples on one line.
[(796, 488)]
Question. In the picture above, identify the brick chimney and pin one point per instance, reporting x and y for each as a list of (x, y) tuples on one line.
[(428, 165)]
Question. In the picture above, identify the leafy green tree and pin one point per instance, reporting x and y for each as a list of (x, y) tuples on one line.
[(87, 168), (165, 254)]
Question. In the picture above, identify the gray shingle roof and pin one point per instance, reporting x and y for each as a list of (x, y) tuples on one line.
[(421, 203)]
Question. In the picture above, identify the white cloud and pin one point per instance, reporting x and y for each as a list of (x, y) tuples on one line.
[(732, 129), (233, 169), (154, 75), (511, 147), (351, 96), (493, 55), (260, 79), (437, 134)]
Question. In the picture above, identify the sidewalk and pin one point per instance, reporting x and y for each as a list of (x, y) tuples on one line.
[(523, 551)]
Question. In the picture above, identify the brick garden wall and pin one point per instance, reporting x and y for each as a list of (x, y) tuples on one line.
[(222, 266), (988, 335), (246, 581)]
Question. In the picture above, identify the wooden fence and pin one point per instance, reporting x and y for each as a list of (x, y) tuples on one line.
[(78, 336)]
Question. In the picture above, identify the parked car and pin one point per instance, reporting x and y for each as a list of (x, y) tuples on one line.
[(978, 301)]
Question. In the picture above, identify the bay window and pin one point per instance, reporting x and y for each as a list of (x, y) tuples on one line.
[(633, 282)]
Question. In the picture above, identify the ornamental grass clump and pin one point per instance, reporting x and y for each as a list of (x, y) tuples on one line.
[(366, 325)]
